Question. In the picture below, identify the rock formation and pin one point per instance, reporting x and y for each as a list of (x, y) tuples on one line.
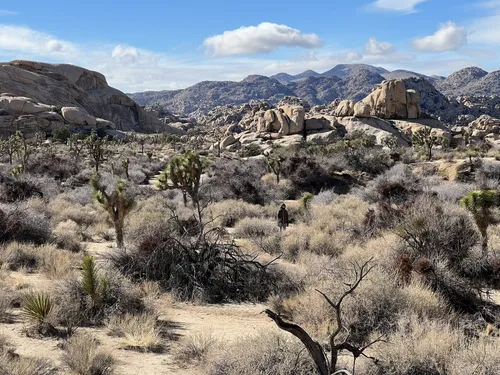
[(390, 100), (44, 97)]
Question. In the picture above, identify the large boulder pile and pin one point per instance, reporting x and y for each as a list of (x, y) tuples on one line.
[(390, 100), (44, 97)]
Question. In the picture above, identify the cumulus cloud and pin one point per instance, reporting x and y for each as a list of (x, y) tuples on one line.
[(126, 54), (449, 37), (265, 37), (374, 47), (403, 6), (25, 40)]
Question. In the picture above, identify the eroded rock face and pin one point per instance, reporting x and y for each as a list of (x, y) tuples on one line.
[(345, 108), (33, 88), (296, 115)]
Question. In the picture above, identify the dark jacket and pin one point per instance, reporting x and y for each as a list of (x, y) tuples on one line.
[(283, 216)]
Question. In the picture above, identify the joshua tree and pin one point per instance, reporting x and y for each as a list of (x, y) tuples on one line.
[(125, 165), (425, 138), (118, 204), (184, 173), (9, 147), (275, 162), (480, 203), (97, 148), (19, 144)]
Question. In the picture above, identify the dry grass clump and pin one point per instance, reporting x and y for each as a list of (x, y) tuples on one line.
[(67, 235), (63, 209), (46, 258), (6, 298), (228, 212), (84, 357), (13, 364), (197, 347), (420, 347), (19, 222), (138, 332), (254, 228), (262, 354)]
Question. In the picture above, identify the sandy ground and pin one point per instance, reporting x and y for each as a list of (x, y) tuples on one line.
[(227, 322)]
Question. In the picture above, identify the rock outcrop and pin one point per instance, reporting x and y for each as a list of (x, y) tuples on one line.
[(42, 97), (390, 100)]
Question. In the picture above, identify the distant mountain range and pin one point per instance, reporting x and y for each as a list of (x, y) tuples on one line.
[(345, 81)]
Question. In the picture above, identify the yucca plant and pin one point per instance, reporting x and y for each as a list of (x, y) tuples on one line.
[(37, 308), (93, 284), (480, 204)]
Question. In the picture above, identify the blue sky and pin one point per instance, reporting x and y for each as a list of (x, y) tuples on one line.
[(154, 45)]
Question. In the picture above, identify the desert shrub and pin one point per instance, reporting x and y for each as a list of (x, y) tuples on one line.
[(18, 189), (138, 332), (63, 209), (197, 347), (433, 230), (236, 179), (46, 258), (307, 174), (228, 212), (54, 166), (396, 186), (6, 299), (253, 227), (325, 197), (13, 364), (452, 192), (89, 299), (192, 267), (419, 347), (266, 353), (83, 356), (21, 223), (37, 308), (67, 236)]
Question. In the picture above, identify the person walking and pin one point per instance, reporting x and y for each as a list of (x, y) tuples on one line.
[(283, 218)]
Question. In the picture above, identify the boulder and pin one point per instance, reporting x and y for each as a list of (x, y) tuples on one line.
[(105, 124), (21, 105), (379, 128), (413, 104), (296, 115), (345, 108), (317, 123), (30, 83), (323, 138), (486, 124), (228, 141), (390, 100), (362, 109), (78, 116), (408, 127)]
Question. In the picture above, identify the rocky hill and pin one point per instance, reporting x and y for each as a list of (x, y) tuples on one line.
[(346, 81), (45, 97)]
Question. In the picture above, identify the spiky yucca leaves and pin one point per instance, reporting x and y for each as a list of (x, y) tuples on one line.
[(118, 204), (184, 173), (36, 308), (480, 203), (93, 284)]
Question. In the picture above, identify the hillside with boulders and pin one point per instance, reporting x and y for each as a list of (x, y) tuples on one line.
[(470, 91), (38, 97)]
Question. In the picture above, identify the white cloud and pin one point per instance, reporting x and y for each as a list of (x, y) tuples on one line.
[(5, 12), (374, 47), (449, 37), (125, 54), (265, 37), (404, 6), (25, 40)]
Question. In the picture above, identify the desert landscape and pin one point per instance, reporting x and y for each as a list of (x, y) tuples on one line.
[(344, 222)]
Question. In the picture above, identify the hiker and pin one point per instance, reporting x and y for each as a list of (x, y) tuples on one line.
[(283, 218)]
